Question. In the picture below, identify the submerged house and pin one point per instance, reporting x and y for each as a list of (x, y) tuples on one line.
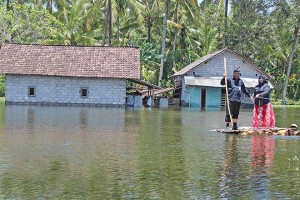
[(68, 75), (198, 84)]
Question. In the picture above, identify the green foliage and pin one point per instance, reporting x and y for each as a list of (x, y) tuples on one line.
[(2, 86), (259, 30), (29, 24), (294, 86), (149, 62)]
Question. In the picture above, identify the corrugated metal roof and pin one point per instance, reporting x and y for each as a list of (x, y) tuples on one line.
[(141, 82), (157, 91), (215, 81)]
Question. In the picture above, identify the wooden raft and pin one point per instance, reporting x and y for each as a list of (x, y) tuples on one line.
[(251, 131)]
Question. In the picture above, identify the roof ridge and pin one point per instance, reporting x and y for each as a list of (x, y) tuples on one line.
[(61, 45)]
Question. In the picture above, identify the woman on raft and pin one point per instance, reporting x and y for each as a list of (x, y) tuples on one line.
[(263, 114)]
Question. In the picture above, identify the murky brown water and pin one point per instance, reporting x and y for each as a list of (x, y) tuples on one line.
[(117, 153)]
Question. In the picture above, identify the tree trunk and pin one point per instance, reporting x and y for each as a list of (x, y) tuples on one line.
[(118, 29), (148, 21), (163, 45), (49, 6), (182, 45), (110, 23), (225, 24), (175, 37), (105, 27), (239, 46), (295, 37)]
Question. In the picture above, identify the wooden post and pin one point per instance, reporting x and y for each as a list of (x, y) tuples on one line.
[(226, 88)]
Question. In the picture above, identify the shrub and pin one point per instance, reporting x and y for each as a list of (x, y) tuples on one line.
[(2, 85)]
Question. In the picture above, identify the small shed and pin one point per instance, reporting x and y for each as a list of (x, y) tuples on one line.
[(198, 84), (68, 75)]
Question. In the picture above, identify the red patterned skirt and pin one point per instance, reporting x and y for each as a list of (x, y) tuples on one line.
[(263, 116)]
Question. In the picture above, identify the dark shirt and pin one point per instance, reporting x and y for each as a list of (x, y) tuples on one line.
[(264, 94), (235, 87)]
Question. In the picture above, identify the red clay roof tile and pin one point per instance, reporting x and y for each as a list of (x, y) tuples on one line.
[(77, 61)]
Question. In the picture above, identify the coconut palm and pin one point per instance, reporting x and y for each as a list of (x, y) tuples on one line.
[(163, 43), (75, 32), (295, 17), (113, 10), (183, 9)]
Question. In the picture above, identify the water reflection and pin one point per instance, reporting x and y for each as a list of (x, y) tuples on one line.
[(116, 153), (262, 158), (30, 118), (70, 149), (161, 163), (233, 180)]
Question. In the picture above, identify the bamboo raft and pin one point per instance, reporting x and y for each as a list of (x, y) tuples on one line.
[(251, 131)]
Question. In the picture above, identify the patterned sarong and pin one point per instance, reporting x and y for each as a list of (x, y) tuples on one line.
[(263, 116)]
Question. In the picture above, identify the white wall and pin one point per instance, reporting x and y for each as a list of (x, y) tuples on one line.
[(65, 90)]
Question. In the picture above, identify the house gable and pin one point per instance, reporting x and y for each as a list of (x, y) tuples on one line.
[(213, 66), (206, 74)]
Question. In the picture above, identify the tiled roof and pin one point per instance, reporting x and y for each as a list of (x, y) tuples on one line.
[(76, 61), (207, 58)]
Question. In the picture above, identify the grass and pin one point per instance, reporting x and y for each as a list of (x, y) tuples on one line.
[(290, 106), (2, 99)]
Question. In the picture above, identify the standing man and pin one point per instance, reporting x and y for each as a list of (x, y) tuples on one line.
[(235, 87)]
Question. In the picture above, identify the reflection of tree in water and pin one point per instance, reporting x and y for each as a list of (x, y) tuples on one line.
[(232, 181), (31, 119), (262, 157), (2, 114), (161, 167)]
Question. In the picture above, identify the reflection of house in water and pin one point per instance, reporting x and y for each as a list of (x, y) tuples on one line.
[(31, 118)]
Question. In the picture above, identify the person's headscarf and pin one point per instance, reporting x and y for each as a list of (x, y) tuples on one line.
[(264, 78)]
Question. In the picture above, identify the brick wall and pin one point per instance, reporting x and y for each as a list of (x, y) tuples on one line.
[(51, 90)]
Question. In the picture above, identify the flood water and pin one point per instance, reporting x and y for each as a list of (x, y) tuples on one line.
[(145, 153)]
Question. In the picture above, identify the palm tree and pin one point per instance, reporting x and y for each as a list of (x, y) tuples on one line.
[(294, 42), (74, 21), (225, 24), (149, 62), (185, 10), (113, 10), (150, 11), (295, 13), (163, 43)]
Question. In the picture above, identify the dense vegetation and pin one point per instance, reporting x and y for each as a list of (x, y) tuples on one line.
[(171, 33)]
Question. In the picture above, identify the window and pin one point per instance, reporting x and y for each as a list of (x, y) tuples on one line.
[(31, 91), (84, 92)]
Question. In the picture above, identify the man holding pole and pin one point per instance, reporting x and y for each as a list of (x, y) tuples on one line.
[(234, 88)]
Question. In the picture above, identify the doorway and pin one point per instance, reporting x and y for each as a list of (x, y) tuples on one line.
[(223, 97), (203, 98)]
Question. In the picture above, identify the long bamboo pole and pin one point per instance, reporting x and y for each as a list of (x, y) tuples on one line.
[(226, 88)]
